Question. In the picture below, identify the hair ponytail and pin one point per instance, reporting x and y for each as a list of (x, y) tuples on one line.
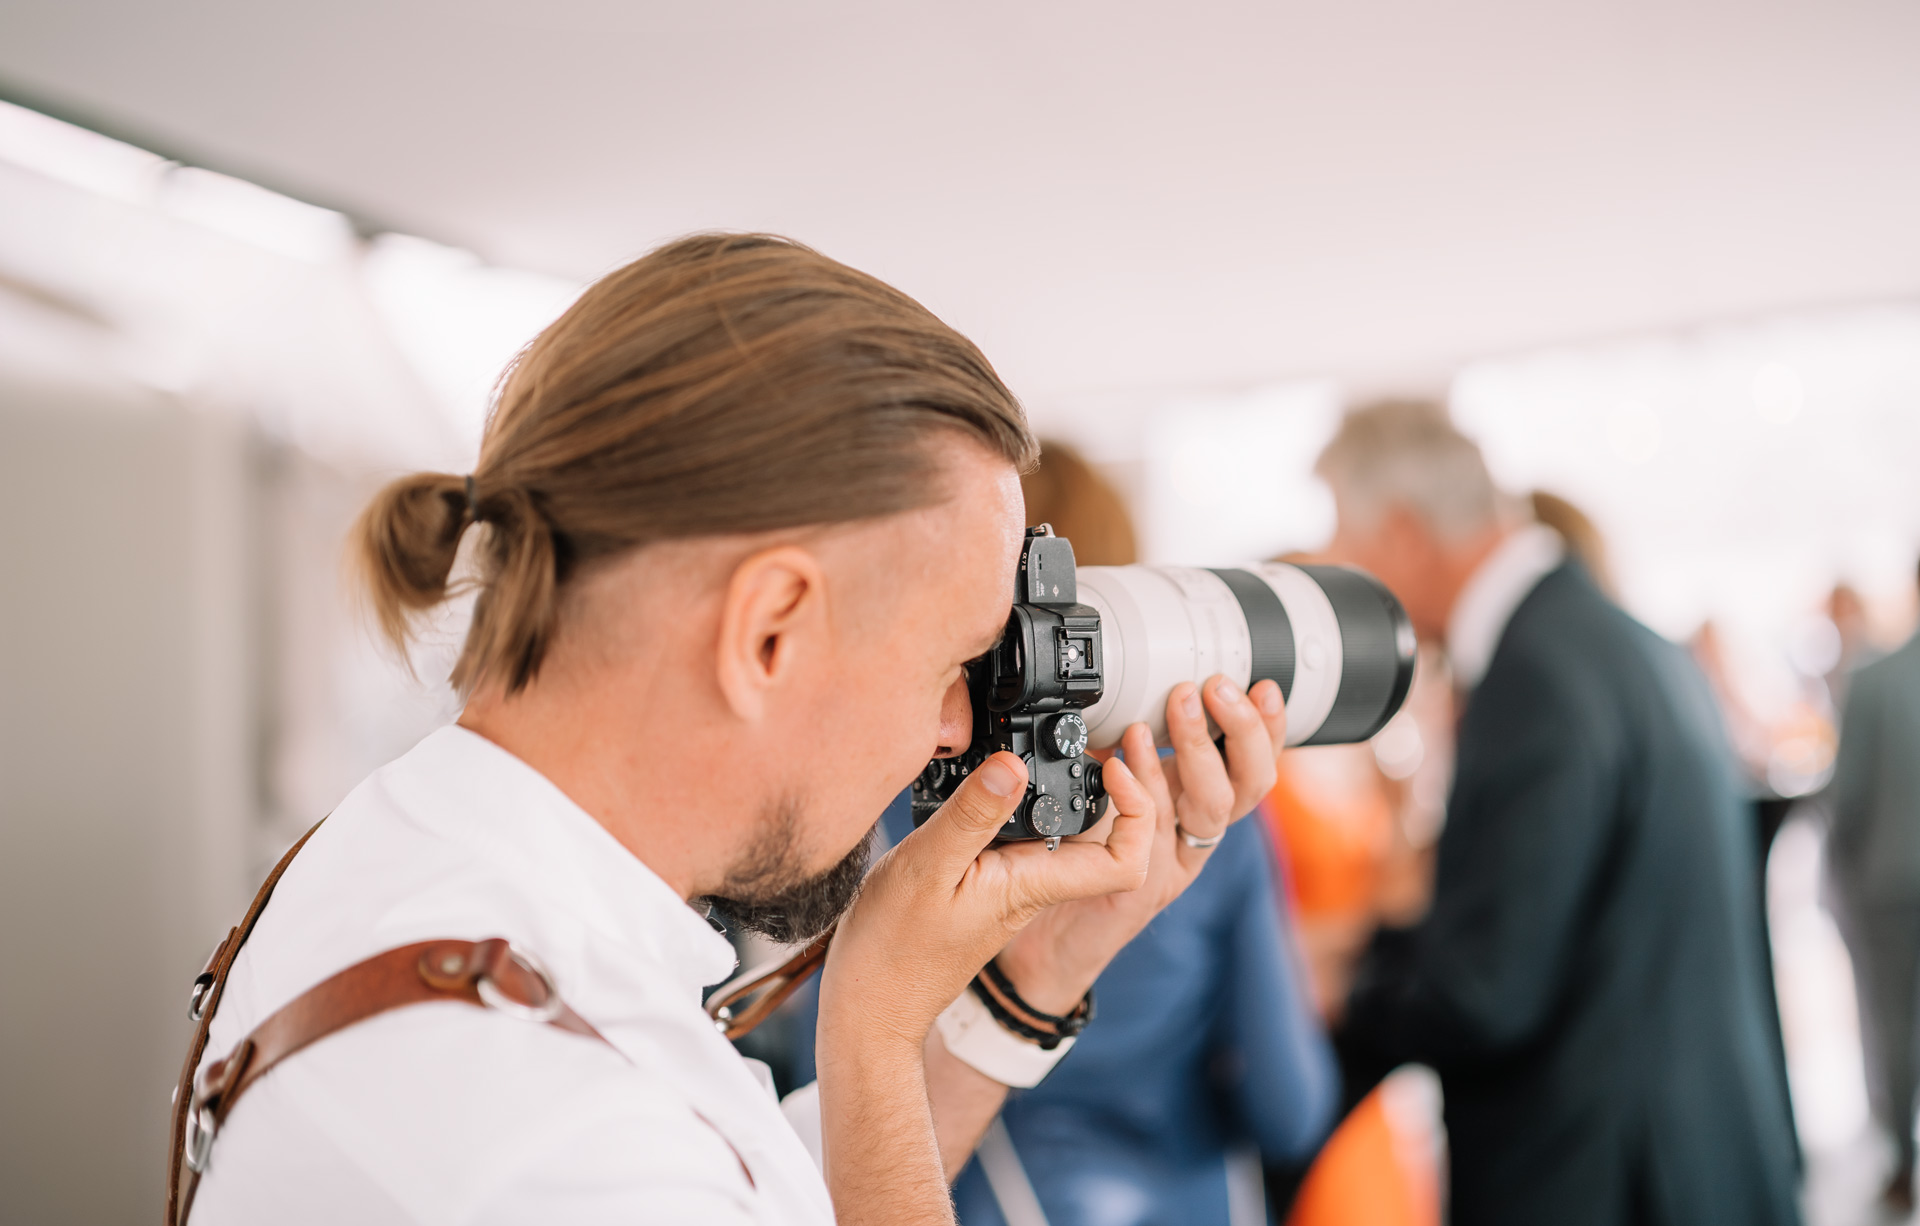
[(723, 384), (513, 620), (404, 545)]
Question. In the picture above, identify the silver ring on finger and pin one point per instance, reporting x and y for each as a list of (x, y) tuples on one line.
[(1195, 841)]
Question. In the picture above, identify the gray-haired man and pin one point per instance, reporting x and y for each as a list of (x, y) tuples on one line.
[(1587, 982)]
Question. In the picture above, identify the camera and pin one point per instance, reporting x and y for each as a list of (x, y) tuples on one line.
[(1088, 652)]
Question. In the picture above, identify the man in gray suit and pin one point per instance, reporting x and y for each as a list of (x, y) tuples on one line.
[(1873, 858)]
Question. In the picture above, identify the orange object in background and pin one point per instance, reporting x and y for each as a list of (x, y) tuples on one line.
[(1368, 1174), (1332, 821)]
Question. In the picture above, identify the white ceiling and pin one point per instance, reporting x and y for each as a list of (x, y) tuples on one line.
[(1106, 196)]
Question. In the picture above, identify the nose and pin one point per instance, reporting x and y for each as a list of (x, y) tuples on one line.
[(956, 720)]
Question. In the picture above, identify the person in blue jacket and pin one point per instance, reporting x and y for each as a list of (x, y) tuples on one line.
[(1204, 1046)]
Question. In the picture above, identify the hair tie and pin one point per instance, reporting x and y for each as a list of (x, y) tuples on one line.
[(473, 509)]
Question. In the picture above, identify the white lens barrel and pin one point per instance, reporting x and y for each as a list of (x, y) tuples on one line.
[(1316, 648), (1336, 642)]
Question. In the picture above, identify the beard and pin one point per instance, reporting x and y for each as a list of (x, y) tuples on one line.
[(767, 894)]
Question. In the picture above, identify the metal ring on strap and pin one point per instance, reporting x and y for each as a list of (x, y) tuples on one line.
[(200, 1129), (546, 1010)]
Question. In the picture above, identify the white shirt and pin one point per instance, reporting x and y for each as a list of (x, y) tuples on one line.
[(448, 1113), (1487, 603)]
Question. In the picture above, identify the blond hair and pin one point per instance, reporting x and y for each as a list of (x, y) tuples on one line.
[(722, 384)]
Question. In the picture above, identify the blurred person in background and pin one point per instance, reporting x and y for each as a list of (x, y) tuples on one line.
[(1580, 535), (1355, 826), (1207, 1045), (1586, 982), (1873, 863), (1853, 630)]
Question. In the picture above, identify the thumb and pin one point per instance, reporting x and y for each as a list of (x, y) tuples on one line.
[(955, 835)]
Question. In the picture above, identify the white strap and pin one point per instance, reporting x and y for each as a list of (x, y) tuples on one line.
[(974, 1037), (1012, 1190)]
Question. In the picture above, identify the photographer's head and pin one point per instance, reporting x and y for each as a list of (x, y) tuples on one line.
[(1416, 505), (746, 512)]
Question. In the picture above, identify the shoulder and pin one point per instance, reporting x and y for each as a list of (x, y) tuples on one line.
[(458, 1113), (1569, 641), (1898, 667)]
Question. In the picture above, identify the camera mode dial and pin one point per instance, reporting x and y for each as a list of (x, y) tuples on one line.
[(1069, 736)]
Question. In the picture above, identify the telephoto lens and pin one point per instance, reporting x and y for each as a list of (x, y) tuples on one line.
[(1089, 652), (1335, 640)]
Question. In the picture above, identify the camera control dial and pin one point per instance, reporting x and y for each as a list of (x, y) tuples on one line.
[(1047, 815), (1069, 733)]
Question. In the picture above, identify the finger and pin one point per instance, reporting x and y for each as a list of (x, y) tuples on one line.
[(1143, 760), (1205, 800), (1135, 817), (1077, 869), (1266, 695), (949, 841), (1250, 745)]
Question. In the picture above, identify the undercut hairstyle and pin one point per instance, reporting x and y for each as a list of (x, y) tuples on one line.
[(1409, 453), (722, 384)]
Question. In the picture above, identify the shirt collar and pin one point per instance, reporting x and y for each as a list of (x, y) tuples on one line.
[(1493, 592), (468, 790)]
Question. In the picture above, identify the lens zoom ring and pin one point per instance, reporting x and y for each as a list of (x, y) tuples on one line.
[(1376, 656), (1267, 626)]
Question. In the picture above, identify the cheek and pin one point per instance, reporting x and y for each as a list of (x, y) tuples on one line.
[(876, 731)]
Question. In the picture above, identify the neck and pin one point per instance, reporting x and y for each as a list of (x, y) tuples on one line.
[(1459, 563), (639, 778)]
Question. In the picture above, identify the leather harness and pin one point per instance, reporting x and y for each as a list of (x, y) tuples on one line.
[(490, 974)]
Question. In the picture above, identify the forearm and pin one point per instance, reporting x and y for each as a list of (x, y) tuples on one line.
[(882, 1159), (964, 1102)]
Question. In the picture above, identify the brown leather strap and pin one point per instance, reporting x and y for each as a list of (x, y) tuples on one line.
[(774, 986), (208, 988), (489, 974)]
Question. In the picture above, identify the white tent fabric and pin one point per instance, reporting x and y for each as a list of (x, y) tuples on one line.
[(1106, 196)]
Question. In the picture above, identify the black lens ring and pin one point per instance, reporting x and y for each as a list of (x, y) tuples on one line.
[(1268, 627), (1376, 655)]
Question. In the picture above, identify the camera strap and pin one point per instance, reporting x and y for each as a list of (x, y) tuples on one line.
[(490, 974), (773, 985)]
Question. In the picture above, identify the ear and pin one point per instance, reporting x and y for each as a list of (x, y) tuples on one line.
[(773, 620)]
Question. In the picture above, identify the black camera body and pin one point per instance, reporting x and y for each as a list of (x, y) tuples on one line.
[(1028, 693)]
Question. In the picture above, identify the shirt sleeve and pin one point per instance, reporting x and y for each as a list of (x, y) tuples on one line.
[(802, 1109), (1284, 1084), (630, 1162)]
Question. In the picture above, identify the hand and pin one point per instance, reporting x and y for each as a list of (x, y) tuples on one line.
[(1056, 958), (929, 915), (939, 904)]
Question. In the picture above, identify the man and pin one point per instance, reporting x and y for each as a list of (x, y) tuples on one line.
[(1586, 982), (744, 515), (1873, 859)]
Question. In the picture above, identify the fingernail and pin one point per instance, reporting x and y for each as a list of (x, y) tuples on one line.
[(1226, 690), (997, 777), (1190, 705), (1270, 699)]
